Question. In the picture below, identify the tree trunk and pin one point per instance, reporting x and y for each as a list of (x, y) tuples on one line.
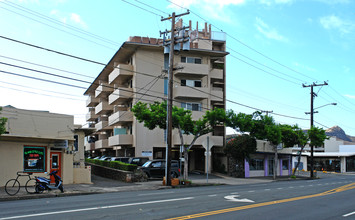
[(275, 163), (298, 161), (186, 163)]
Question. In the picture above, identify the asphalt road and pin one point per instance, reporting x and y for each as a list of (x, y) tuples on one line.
[(332, 197)]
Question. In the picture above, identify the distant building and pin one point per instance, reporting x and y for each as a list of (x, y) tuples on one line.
[(40, 141), (199, 84)]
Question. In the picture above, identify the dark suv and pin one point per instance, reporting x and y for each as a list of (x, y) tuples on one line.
[(156, 168)]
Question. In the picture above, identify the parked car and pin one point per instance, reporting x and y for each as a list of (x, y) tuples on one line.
[(106, 158), (156, 168), (122, 159), (139, 161)]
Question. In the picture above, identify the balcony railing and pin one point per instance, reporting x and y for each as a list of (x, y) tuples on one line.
[(217, 94), (92, 101), (216, 74), (191, 68), (91, 116), (120, 117), (120, 139), (103, 108), (102, 90), (191, 92), (99, 144), (120, 74), (120, 95)]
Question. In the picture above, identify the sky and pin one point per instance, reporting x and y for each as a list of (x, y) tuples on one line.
[(275, 46)]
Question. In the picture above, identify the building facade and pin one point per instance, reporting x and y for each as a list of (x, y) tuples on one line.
[(39, 142), (137, 73)]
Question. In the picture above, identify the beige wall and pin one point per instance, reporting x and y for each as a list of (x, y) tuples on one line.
[(36, 128)]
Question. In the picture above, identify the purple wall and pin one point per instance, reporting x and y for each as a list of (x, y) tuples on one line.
[(246, 168)]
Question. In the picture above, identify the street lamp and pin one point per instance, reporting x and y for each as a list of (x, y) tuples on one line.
[(311, 113)]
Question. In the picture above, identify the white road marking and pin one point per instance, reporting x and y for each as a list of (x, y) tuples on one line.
[(351, 213), (251, 191), (267, 189), (150, 194), (279, 188), (212, 195), (291, 187), (96, 208), (234, 193), (301, 186), (233, 198)]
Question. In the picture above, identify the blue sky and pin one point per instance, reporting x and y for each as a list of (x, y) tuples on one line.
[(275, 46)]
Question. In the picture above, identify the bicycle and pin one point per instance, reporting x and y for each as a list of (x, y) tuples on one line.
[(12, 187)]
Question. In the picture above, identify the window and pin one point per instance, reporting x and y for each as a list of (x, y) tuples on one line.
[(191, 60), (34, 159), (191, 83), (76, 148), (191, 106), (285, 164), (256, 164)]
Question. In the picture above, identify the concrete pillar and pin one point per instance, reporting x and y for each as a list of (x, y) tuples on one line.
[(343, 164)]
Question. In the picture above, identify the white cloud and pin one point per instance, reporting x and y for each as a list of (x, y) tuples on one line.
[(269, 32), (77, 19), (346, 69), (334, 22), (333, 2), (270, 2), (215, 9), (350, 96)]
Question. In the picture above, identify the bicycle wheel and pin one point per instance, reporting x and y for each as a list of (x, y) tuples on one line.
[(12, 187), (31, 186)]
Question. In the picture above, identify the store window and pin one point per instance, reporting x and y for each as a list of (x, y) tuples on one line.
[(34, 159), (285, 164), (256, 164)]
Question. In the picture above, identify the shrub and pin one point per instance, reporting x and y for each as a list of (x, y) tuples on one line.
[(113, 164)]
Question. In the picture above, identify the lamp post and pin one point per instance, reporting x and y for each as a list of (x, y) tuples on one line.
[(311, 113)]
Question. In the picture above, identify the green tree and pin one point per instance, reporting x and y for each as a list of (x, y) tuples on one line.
[(3, 121), (316, 138), (154, 116), (240, 148)]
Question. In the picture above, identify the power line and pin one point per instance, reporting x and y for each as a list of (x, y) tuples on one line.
[(36, 64)]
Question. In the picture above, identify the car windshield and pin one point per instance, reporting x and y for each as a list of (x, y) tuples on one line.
[(146, 164)]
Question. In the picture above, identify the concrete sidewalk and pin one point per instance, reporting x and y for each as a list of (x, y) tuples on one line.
[(104, 185)]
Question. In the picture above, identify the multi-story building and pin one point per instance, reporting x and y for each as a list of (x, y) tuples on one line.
[(136, 73)]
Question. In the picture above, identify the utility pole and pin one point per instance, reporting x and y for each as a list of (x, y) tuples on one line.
[(311, 113), (170, 96), (267, 112)]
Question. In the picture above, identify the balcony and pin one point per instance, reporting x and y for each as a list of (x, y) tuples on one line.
[(92, 101), (120, 117), (216, 74), (102, 125), (101, 144), (193, 69), (216, 140), (120, 139), (217, 94), (103, 108), (120, 74), (190, 92), (91, 116), (89, 146), (103, 90), (120, 96)]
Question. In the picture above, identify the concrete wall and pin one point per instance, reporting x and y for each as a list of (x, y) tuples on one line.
[(332, 145)]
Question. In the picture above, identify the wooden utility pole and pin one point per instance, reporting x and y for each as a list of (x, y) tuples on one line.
[(311, 113), (170, 99)]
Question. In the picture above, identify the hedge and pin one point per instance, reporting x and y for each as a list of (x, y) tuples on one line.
[(113, 164)]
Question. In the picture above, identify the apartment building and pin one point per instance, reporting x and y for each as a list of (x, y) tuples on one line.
[(136, 73)]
